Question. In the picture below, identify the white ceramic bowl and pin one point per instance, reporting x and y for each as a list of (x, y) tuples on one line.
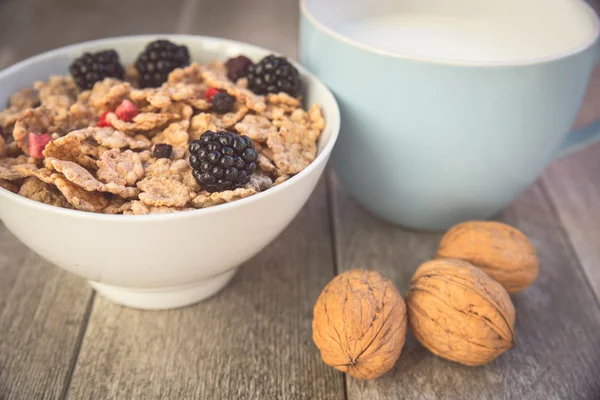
[(160, 261)]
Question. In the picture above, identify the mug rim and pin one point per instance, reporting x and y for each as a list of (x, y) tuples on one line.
[(304, 11), (322, 156)]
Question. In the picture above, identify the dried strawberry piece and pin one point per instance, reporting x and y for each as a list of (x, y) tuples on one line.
[(102, 122), (37, 144), (211, 92), (126, 111)]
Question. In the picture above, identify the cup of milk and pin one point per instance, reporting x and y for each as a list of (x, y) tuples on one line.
[(450, 108)]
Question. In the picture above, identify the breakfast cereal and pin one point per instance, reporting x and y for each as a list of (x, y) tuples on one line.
[(120, 144), (123, 168), (36, 190), (11, 187)]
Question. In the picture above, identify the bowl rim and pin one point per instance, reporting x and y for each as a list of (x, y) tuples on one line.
[(322, 157)]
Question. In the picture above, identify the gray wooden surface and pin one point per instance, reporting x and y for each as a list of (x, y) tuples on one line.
[(253, 341)]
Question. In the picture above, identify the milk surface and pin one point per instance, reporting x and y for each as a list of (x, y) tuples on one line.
[(477, 40)]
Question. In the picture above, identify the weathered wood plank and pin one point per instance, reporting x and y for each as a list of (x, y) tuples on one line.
[(558, 320), (251, 341), (574, 189), (269, 23), (28, 27), (42, 311)]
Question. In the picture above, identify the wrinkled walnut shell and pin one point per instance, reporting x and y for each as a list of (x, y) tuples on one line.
[(501, 251), (359, 324), (459, 313)]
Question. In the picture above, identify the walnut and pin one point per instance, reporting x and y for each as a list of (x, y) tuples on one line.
[(359, 324), (500, 250), (459, 313)]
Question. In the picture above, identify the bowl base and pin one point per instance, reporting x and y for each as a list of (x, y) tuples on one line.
[(164, 298)]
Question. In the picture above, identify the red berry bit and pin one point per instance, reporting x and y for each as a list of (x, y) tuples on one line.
[(37, 144), (102, 122), (126, 111), (211, 92)]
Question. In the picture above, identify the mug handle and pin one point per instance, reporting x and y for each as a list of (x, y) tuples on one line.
[(584, 137)]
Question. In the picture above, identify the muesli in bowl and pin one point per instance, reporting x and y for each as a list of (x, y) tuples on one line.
[(162, 135), (89, 153)]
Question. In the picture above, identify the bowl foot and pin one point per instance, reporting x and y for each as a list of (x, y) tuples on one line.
[(164, 298)]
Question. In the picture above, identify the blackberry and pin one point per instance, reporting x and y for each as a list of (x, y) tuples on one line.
[(222, 102), (237, 67), (94, 67), (162, 150), (273, 75), (222, 160), (158, 59)]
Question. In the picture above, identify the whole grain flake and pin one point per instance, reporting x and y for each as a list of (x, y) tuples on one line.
[(99, 157)]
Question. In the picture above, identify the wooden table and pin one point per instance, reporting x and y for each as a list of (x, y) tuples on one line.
[(253, 341)]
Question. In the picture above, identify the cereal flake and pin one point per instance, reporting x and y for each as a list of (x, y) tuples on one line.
[(78, 116), (201, 123), (80, 198), (142, 121), (24, 99), (71, 148), (8, 166), (8, 117), (159, 191), (206, 199), (284, 101), (256, 127), (122, 168), (117, 206), (190, 75), (36, 190), (113, 139), (108, 94), (11, 187), (293, 147), (57, 92), (81, 177), (139, 208), (43, 174)]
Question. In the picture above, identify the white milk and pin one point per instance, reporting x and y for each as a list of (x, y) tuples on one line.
[(476, 40)]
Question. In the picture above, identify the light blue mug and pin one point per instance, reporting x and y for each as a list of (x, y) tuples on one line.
[(450, 108)]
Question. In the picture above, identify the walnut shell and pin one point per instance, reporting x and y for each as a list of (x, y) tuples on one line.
[(359, 324), (459, 313), (500, 250)]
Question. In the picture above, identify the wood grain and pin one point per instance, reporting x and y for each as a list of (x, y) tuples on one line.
[(558, 346), (251, 341), (28, 27), (42, 311), (574, 189), (268, 23)]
